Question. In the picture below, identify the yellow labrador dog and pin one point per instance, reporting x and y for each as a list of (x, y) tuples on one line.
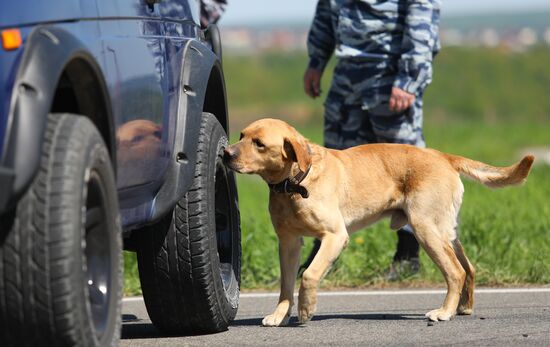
[(328, 194)]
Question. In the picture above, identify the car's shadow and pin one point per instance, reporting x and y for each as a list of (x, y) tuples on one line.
[(135, 328), (139, 331)]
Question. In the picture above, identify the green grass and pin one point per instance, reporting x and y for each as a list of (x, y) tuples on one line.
[(131, 275), (469, 84), (483, 104)]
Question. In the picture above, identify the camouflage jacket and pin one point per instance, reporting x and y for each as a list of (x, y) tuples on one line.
[(403, 33), (211, 11)]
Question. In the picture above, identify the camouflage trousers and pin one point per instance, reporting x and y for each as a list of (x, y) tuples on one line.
[(357, 110)]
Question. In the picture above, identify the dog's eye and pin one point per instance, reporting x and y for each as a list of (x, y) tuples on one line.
[(258, 143)]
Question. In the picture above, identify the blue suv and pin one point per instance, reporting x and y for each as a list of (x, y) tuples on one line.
[(113, 122)]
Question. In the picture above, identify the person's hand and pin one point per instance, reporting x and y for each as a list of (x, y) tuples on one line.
[(312, 82), (400, 100)]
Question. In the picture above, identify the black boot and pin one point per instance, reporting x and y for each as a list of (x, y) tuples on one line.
[(405, 261), (314, 250), (407, 246)]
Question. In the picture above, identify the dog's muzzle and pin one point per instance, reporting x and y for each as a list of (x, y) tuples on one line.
[(229, 155)]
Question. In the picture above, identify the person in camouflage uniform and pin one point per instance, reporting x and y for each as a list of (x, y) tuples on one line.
[(385, 51), (211, 11)]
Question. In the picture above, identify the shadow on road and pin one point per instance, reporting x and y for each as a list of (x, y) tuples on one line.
[(293, 323), (133, 329), (370, 316), (358, 316), (139, 331)]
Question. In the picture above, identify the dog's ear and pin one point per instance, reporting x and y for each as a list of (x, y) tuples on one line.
[(297, 150)]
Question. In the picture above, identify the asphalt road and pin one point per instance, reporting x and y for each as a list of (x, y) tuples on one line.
[(502, 317)]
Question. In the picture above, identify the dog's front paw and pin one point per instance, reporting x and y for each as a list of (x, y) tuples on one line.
[(305, 314), (307, 303), (462, 310), (440, 314), (275, 320)]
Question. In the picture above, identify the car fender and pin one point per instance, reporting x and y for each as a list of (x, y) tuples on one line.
[(47, 51), (199, 62)]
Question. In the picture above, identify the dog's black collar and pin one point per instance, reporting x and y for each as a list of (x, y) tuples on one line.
[(292, 184)]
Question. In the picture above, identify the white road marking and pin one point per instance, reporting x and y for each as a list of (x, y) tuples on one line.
[(389, 292), (132, 299)]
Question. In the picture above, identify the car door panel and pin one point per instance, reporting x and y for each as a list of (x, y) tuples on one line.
[(134, 59)]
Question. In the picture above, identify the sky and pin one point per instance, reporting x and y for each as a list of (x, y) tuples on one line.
[(262, 11)]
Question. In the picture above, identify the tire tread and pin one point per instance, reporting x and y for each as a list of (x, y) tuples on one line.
[(176, 268), (35, 255)]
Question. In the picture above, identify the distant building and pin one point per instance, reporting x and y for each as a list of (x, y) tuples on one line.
[(546, 35), (517, 38), (489, 37), (452, 37), (527, 36)]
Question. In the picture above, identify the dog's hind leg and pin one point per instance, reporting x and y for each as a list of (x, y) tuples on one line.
[(289, 257), (332, 244), (466, 304), (436, 243)]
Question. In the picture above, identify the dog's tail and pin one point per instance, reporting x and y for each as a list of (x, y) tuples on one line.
[(491, 176)]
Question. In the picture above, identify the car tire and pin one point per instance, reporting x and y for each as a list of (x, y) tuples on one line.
[(189, 262), (61, 247)]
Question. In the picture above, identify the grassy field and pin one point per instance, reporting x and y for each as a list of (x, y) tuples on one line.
[(469, 84), (485, 104)]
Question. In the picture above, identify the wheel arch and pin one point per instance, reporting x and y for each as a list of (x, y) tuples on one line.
[(203, 91), (82, 90), (52, 56), (215, 99)]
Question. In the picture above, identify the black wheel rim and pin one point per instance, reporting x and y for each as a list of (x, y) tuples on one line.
[(224, 223), (98, 255)]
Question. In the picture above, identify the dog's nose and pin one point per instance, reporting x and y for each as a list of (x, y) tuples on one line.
[(229, 154)]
